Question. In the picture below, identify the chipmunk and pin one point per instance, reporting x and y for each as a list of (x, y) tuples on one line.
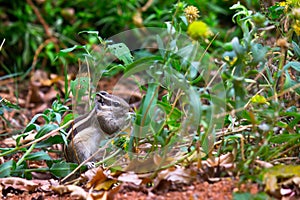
[(110, 115)]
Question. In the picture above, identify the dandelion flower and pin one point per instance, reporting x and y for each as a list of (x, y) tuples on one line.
[(191, 13)]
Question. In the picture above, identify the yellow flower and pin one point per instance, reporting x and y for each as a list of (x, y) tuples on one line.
[(296, 27), (259, 99), (231, 61), (283, 3), (198, 29), (191, 13)]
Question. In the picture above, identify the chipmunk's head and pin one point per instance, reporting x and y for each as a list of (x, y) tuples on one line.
[(112, 112), (110, 103)]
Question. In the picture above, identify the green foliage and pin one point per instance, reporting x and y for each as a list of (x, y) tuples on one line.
[(187, 97), (273, 123), (53, 118), (249, 196), (6, 105)]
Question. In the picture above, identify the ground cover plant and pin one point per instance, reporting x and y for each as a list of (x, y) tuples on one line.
[(213, 101)]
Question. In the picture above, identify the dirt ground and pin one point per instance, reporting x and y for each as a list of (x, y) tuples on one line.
[(221, 190)]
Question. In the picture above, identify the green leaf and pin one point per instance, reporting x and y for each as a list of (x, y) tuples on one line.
[(45, 129), (176, 113), (258, 52), (296, 49), (62, 169), (148, 104), (72, 48), (141, 65), (46, 118), (237, 47), (57, 117), (7, 104), (67, 118), (6, 168), (283, 138), (41, 155), (161, 48), (294, 65), (122, 52), (57, 139), (290, 83), (89, 32), (80, 87), (31, 127), (249, 196)]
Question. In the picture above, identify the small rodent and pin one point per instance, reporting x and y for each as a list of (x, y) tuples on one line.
[(110, 115)]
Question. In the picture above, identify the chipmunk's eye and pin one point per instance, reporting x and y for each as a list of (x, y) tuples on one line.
[(116, 104)]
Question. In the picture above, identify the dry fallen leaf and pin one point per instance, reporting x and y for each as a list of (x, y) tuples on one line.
[(130, 177), (177, 175), (19, 183), (272, 178), (106, 185), (76, 191), (100, 180), (264, 164), (97, 178), (142, 166)]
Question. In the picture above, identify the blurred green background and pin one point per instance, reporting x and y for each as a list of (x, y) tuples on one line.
[(41, 28)]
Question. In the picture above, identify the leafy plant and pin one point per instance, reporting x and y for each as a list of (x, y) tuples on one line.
[(53, 118)]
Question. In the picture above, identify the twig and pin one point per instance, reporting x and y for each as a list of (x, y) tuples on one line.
[(40, 18), (40, 48), (283, 159), (146, 6), (2, 44), (224, 133)]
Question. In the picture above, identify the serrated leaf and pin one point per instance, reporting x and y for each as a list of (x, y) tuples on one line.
[(122, 52)]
